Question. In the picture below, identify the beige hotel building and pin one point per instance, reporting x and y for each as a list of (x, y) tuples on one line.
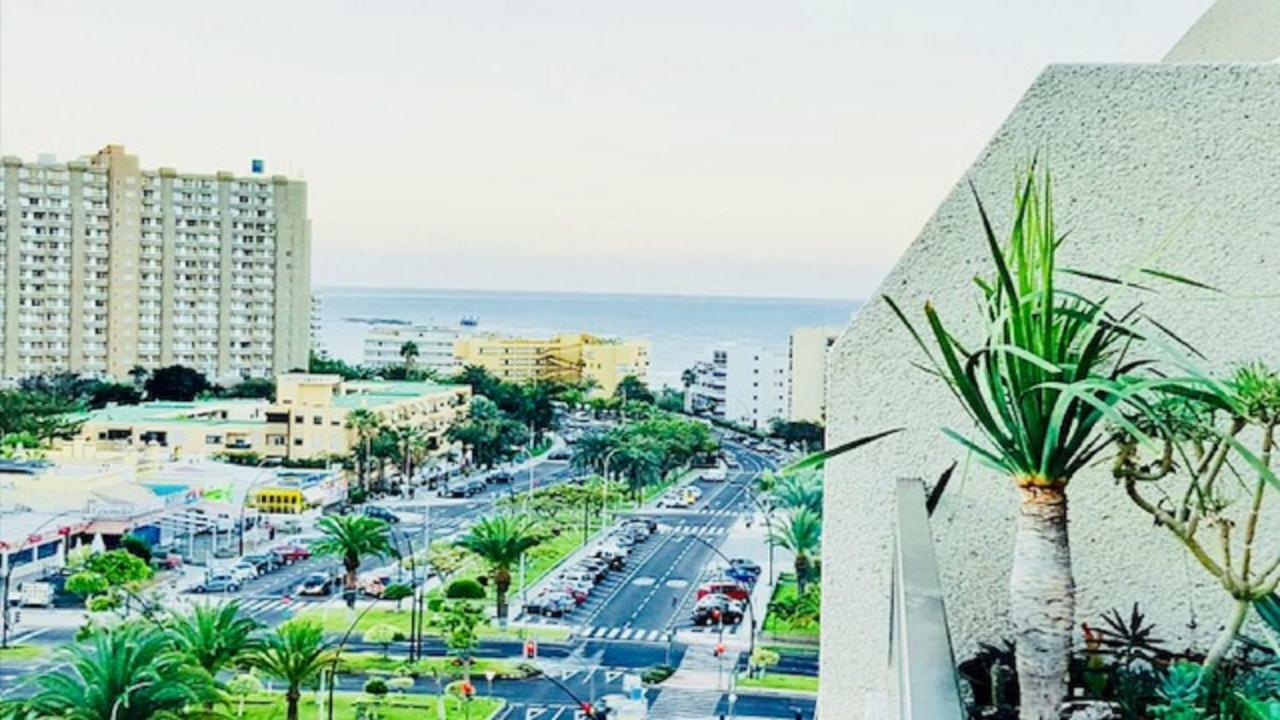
[(106, 266)]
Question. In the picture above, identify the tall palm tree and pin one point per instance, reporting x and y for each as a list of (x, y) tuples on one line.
[(500, 540), (797, 491), (352, 537), (801, 533), (130, 672), (214, 637), (409, 351), (366, 425), (409, 437), (294, 654), (1039, 388)]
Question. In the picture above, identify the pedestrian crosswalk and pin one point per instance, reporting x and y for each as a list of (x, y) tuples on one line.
[(703, 530), (602, 632)]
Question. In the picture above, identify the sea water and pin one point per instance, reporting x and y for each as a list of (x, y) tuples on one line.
[(681, 329)]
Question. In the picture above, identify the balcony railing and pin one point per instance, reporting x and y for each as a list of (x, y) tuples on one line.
[(920, 657)]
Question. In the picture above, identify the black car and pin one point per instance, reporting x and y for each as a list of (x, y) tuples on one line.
[(381, 513), (262, 562), (503, 478), (560, 455), (717, 610)]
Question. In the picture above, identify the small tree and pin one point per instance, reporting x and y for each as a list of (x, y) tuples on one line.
[(464, 589), (462, 620), (382, 635), (242, 686), (763, 659)]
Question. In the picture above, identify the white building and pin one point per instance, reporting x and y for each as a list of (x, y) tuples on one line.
[(741, 384), (435, 343), (808, 373)]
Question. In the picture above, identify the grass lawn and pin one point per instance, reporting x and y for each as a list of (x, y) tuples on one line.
[(373, 663), (336, 620), (22, 653), (775, 626), (781, 681), (270, 706)]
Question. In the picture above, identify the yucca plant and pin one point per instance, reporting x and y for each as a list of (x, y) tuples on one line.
[(1031, 388)]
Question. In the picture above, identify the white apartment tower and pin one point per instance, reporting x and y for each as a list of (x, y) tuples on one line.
[(106, 267), (744, 385), (807, 399)]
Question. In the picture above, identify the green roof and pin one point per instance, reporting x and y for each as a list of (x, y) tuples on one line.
[(373, 393), (165, 411)]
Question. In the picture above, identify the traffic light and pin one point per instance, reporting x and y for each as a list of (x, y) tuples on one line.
[(531, 649)]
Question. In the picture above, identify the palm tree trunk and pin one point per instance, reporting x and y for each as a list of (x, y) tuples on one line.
[(291, 703), (1042, 600), (501, 584), (802, 572)]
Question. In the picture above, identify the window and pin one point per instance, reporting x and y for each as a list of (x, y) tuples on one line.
[(212, 439), (297, 441), (317, 420), (299, 419)]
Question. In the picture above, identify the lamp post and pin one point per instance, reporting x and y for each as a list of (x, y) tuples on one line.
[(604, 488), (244, 501)]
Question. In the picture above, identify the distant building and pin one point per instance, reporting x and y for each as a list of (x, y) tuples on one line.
[(317, 311), (384, 344), (571, 357), (808, 371), (308, 418), (107, 267), (741, 384)]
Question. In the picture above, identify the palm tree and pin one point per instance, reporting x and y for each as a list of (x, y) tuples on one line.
[(1040, 389), (214, 637), (352, 537), (500, 541), (801, 533), (295, 654), (797, 491), (366, 424), (409, 351), (129, 672), (409, 437)]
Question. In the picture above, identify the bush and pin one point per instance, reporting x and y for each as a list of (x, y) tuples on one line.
[(400, 683), (435, 604), (136, 547), (396, 591), (464, 589), (656, 674), (376, 686)]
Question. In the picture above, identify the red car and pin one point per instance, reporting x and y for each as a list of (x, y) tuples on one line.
[(731, 590), (291, 553)]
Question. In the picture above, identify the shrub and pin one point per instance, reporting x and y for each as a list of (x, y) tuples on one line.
[(396, 591), (464, 589), (435, 604), (136, 547), (400, 683), (376, 686)]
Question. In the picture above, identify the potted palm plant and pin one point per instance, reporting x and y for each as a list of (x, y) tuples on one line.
[(1029, 386)]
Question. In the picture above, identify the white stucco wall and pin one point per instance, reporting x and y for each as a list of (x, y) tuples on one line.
[(1232, 31), (1172, 166)]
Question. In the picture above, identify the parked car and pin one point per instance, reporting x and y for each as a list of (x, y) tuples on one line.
[(475, 487), (381, 513), (316, 584), (560, 455), (217, 583), (262, 562), (715, 474), (243, 572), (740, 575), (732, 590), (649, 524), (550, 604), (598, 569), (579, 575), (717, 609), (290, 553), (499, 478), (674, 500), (747, 565)]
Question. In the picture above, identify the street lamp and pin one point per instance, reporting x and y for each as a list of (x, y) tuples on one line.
[(604, 487), (244, 501)]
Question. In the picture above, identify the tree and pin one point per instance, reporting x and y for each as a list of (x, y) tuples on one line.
[(808, 435), (295, 655), (464, 589), (632, 388), (324, 365), (242, 686), (251, 388), (382, 635), (411, 441), (801, 533), (462, 619), (176, 383), (43, 416), (446, 559), (500, 540), (409, 351), (489, 433), (1038, 389), (102, 575), (366, 424), (102, 394), (799, 491), (350, 538), (128, 672), (214, 637)]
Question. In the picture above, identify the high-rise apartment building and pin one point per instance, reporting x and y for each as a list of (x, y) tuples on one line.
[(106, 267), (741, 384), (807, 400)]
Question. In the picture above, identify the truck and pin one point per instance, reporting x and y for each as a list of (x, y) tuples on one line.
[(35, 594)]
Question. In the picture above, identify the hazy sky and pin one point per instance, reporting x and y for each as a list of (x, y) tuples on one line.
[(747, 147)]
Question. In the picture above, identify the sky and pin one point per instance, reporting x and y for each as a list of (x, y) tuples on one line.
[(724, 147)]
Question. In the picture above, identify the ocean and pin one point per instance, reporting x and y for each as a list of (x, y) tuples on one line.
[(681, 329)]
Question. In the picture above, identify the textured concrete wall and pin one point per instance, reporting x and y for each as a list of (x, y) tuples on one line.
[(1173, 166), (1232, 31)]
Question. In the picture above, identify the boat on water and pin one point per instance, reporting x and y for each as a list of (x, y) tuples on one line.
[(469, 321)]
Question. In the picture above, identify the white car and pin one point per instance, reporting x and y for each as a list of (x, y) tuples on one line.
[(243, 572)]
